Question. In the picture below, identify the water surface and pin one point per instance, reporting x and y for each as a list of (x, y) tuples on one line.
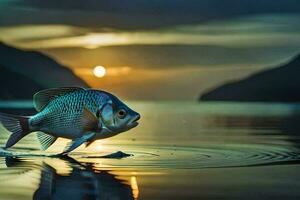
[(181, 150)]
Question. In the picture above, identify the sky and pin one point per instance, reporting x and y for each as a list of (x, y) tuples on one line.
[(154, 49)]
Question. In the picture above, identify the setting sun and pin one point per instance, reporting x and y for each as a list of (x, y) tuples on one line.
[(99, 71)]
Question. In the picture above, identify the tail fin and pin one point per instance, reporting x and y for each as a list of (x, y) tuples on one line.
[(18, 125)]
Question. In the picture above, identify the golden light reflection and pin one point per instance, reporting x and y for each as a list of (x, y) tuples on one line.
[(97, 146), (134, 187), (59, 165), (99, 71)]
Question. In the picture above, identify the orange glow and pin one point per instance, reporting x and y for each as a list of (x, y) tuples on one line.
[(117, 71), (100, 71)]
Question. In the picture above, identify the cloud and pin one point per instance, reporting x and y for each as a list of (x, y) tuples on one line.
[(207, 7), (137, 14), (252, 40), (29, 33), (254, 31), (171, 56)]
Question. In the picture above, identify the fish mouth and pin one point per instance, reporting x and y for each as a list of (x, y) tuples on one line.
[(134, 122)]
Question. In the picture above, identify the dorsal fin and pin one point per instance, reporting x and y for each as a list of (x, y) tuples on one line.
[(42, 98)]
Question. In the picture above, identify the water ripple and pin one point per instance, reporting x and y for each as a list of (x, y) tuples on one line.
[(209, 156), (183, 157)]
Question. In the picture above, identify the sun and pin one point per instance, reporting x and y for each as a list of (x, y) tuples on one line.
[(99, 71)]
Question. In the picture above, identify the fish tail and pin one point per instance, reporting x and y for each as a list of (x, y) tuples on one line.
[(17, 125)]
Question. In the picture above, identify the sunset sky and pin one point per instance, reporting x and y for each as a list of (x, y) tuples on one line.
[(157, 49)]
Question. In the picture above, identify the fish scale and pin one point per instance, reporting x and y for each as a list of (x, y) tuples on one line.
[(67, 110)]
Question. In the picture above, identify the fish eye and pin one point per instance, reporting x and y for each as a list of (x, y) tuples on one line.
[(121, 113)]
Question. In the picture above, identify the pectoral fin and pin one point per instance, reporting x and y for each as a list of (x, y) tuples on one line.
[(89, 120), (77, 142)]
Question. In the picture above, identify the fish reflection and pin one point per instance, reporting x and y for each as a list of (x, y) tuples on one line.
[(81, 181)]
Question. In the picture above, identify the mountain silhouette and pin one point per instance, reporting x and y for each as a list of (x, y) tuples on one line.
[(280, 84), (16, 86), (23, 73)]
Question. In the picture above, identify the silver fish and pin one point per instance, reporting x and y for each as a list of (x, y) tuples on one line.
[(82, 115)]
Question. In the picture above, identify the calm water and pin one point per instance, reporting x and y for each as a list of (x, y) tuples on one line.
[(181, 150)]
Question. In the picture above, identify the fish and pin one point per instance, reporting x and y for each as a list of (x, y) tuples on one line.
[(80, 114)]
